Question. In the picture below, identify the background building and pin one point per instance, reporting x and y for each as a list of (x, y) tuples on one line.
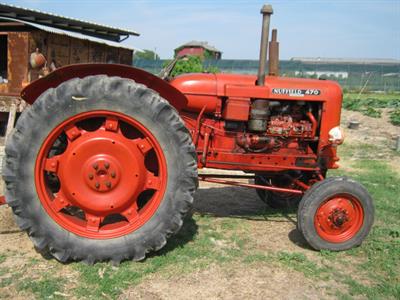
[(34, 43), (196, 48)]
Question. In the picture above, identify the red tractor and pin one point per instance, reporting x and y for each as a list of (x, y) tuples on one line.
[(103, 165)]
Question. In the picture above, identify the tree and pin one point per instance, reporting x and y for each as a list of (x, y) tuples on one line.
[(190, 64), (146, 54)]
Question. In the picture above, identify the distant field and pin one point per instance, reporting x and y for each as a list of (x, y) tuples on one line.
[(373, 104)]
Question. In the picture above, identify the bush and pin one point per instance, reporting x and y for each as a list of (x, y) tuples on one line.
[(190, 64), (395, 117)]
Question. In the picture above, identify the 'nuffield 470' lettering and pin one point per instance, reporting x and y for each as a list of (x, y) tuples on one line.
[(296, 92)]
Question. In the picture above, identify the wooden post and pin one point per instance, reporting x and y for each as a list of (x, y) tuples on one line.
[(11, 119)]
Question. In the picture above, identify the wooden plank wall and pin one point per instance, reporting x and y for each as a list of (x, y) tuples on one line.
[(17, 62), (60, 49)]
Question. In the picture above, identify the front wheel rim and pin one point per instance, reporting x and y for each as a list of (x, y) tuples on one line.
[(109, 179), (339, 219)]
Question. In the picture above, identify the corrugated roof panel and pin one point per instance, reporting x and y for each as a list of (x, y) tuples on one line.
[(72, 34), (64, 23)]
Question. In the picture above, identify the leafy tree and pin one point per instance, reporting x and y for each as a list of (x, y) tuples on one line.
[(146, 54), (190, 64)]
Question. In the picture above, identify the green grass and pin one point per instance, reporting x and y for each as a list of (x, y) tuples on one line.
[(190, 250), (371, 104), (44, 288)]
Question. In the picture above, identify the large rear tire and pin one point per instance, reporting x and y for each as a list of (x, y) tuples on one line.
[(335, 214), (100, 168)]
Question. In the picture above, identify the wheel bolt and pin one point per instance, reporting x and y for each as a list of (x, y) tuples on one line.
[(113, 174), (106, 165), (91, 176), (108, 184), (97, 185), (95, 166)]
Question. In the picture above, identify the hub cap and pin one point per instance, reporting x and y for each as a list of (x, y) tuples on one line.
[(101, 174), (339, 219)]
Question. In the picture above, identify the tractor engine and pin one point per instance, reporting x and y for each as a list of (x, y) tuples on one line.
[(285, 125)]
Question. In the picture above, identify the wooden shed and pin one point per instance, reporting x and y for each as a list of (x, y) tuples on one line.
[(59, 40)]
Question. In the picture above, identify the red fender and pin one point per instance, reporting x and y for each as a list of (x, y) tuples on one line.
[(31, 92)]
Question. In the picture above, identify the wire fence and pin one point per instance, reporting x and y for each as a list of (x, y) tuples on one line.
[(381, 77)]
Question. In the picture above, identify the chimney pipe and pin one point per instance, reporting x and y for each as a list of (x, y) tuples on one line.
[(266, 11), (273, 59)]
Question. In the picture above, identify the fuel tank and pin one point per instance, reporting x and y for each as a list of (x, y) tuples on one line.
[(210, 90)]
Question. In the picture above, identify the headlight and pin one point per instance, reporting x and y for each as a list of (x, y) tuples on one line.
[(336, 135)]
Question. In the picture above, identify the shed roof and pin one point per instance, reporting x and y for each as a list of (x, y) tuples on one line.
[(63, 23), (71, 34), (201, 44), (329, 60)]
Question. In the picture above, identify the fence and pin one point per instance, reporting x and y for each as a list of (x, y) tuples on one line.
[(367, 76)]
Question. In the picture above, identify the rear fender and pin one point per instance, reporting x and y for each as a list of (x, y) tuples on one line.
[(31, 92)]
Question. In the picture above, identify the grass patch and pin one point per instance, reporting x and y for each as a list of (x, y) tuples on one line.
[(381, 250), (372, 104), (45, 288), (3, 258), (395, 117), (191, 249)]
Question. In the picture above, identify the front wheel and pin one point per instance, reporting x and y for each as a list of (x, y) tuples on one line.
[(100, 168), (335, 214)]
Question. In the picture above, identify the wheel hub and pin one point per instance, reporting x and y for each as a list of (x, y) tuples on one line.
[(102, 174), (339, 218)]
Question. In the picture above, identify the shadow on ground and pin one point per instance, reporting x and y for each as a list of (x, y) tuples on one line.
[(237, 202)]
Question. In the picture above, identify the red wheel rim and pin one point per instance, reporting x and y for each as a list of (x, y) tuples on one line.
[(339, 218), (100, 174)]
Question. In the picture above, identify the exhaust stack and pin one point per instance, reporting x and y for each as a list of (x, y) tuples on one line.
[(273, 60), (266, 11), (259, 111)]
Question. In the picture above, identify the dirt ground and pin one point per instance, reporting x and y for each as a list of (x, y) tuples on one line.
[(236, 281)]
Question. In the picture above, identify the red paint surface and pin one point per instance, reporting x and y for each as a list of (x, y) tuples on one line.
[(223, 97), (103, 173), (339, 219)]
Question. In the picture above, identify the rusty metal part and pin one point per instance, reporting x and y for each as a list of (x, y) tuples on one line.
[(353, 124), (313, 122), (266, 11), (196, 132), (256, 143), (273, 61), (258, 115), (227, 176), (37, 59), (205, 148), (249, 185), (2, 200)]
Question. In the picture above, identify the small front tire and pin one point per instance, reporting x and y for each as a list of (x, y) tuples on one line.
[(335, 214)]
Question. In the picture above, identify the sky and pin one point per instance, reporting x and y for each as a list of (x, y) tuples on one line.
[(318, 28)]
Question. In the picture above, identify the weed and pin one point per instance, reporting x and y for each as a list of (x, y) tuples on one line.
[(43, 288), (372, 104), (395, 117)]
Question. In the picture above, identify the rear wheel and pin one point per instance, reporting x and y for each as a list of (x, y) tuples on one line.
[(278, 200), (335, 214), (100, 168)]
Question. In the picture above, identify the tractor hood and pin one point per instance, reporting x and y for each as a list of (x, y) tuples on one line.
[(280, 88)]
